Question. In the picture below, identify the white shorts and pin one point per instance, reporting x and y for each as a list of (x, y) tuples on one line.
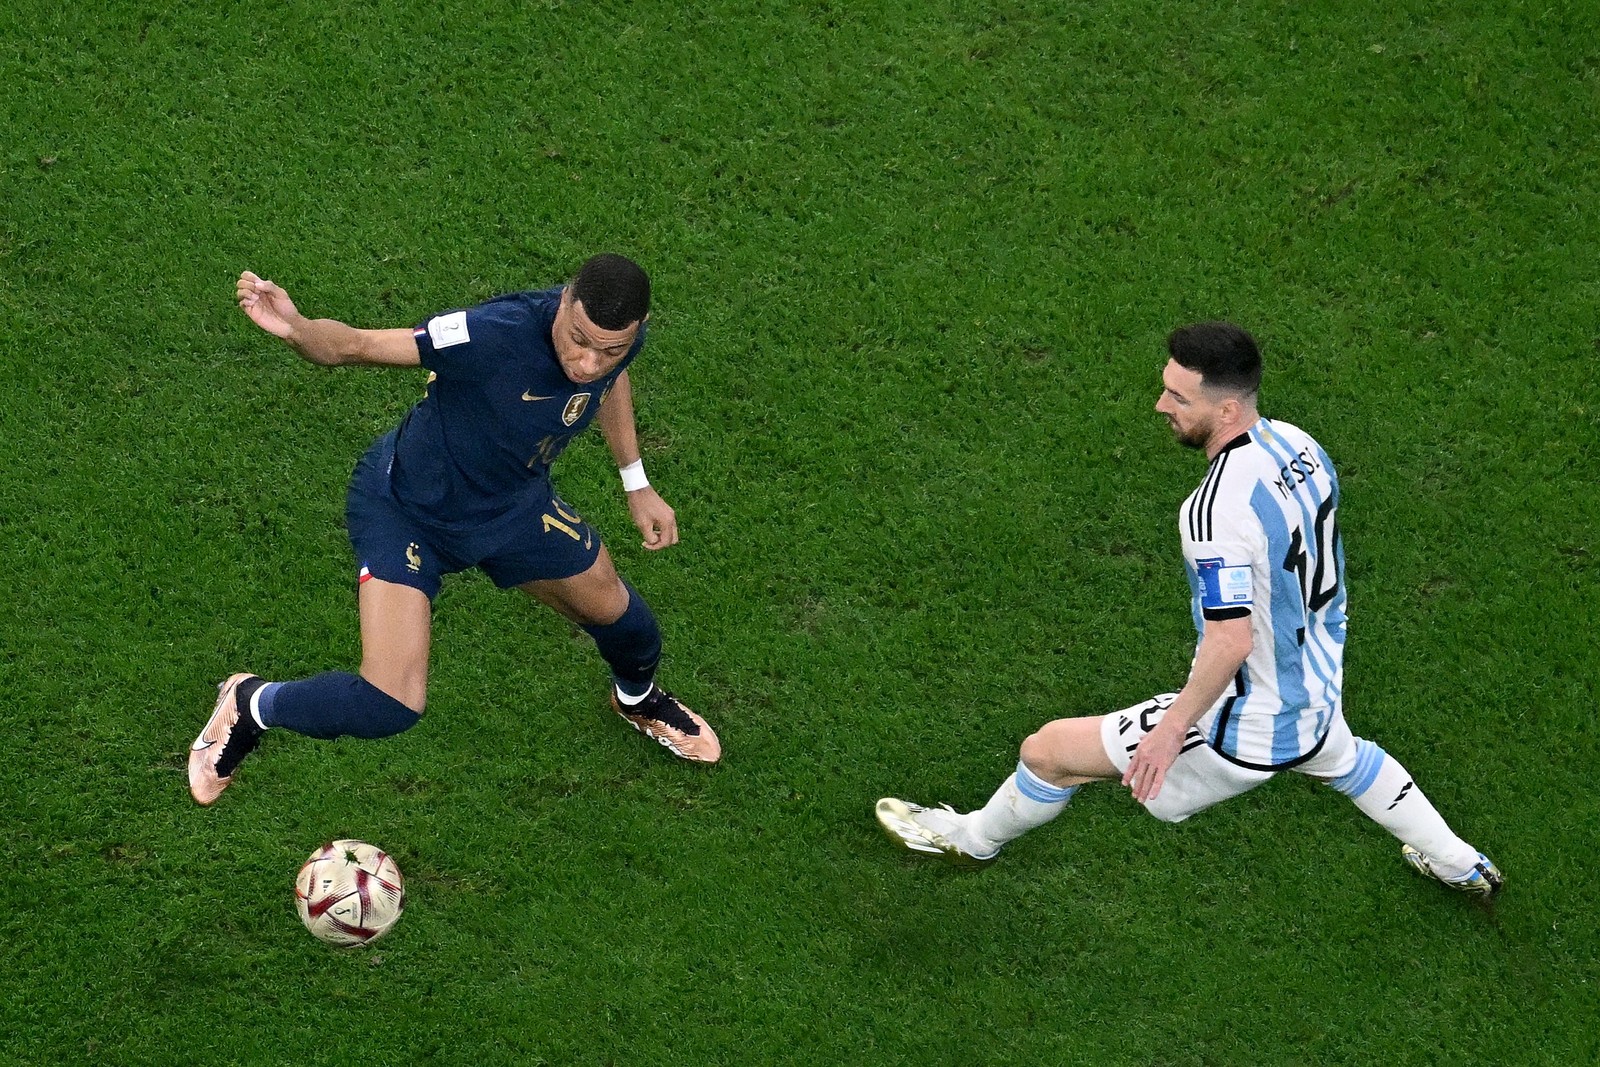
[(1200, 777)]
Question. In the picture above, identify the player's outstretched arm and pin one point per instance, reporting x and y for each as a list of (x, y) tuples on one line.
[(657, 522), (326, 342)]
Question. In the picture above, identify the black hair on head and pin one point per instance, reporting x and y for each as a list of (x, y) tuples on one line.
[(1225, 356), (614, 291)]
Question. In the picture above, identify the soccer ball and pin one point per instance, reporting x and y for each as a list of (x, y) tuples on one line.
[(349, 893)]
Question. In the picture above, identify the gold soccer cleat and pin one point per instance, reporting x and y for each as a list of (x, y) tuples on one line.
[(666, 720)]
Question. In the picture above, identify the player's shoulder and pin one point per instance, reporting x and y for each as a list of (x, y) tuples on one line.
[(1258, 459), (509, 313), (1263, 448), (1276, 433), (521, 310), (1287, 451), (1239, 461)]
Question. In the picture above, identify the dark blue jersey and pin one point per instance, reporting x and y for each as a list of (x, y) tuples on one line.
[(498, 411)]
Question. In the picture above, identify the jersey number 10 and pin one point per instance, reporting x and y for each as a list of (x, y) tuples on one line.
[(1326, 531)]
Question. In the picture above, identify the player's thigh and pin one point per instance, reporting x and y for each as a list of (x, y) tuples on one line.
[(1068, 752), (548, 543), (401, 565), (396, 631), (595, 597), (1198, 778), (1337, 756), (389, 544)]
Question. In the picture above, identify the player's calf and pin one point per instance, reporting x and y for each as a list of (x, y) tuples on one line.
[(1384, 791)]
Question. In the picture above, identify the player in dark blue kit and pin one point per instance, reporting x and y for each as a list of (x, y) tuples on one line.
[(464, 481)]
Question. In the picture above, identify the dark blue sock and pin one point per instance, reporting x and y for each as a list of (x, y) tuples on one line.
[(334, 704), (631, 646)]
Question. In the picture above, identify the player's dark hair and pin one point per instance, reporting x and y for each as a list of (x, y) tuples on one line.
[(614, 291), (1225, 356)]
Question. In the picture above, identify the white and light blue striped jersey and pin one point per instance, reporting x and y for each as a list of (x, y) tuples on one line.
[(1261, 538)]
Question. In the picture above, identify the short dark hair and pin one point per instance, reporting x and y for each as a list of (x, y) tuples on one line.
[(1225, 356), (614, 291)]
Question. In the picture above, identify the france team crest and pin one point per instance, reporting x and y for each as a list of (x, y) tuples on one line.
[(575, 409)]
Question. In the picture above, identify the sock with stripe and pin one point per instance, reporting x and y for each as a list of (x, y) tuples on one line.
[(1384, 791), (335, 704), (1023, 802)]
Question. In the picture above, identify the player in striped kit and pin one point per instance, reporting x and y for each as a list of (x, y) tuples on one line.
[(1266, 576)]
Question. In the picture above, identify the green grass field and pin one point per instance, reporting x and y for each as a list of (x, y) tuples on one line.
[(914, 264)]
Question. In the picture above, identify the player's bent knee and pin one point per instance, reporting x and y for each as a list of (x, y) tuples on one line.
[(1067, 752), (1046, 751), (413, 693), (1056, 751), (597, 597), (604, 597), (414, 697), (604, 609), (1036, 752)]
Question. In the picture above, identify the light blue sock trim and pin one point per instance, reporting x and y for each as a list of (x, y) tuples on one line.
[(1040, 791), (1369, 760)]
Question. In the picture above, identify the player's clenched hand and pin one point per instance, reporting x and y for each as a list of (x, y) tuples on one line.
[(655, 520), (1151, 761), (268, 306)]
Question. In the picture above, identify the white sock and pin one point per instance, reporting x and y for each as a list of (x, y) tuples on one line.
[(1023, 801), (628, 701), (255, 705), (1383, 790)]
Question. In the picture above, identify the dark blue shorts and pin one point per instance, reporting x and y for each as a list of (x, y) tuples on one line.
[(541, 538)]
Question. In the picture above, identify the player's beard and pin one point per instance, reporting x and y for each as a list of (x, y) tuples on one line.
[(1195, 437)]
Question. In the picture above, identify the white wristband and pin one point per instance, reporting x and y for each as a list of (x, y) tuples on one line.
[(633, 476)]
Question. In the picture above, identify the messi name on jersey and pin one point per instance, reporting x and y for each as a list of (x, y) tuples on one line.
[(1296, 472)]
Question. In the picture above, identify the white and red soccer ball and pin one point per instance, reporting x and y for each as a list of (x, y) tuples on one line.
[(349, 893)]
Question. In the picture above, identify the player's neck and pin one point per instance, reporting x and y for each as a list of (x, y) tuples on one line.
[(1227, 431)]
